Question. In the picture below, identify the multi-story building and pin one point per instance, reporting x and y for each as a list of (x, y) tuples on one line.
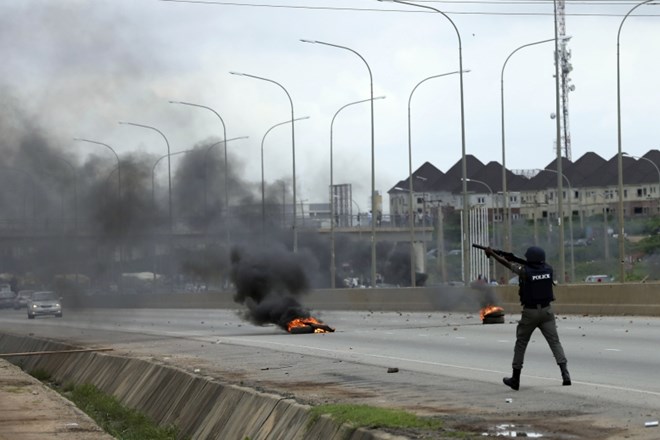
[(590, 187)]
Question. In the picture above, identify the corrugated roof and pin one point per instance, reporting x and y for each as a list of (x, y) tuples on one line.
[(590, 170)]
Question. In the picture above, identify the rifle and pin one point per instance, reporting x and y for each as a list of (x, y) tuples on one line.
[(508, 256)]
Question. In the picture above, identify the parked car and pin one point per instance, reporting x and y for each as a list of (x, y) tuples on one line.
[(44, 303), (6, 299), (598, 279), (433, 253), (22, 299)]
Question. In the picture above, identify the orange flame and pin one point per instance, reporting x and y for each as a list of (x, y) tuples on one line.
[(318, 326), (488, 310)]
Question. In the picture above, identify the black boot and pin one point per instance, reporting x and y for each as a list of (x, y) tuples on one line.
[(513, 381), (564, 374)]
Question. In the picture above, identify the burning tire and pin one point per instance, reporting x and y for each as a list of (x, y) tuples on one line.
[(492, 315), (490, 319), (301, 330), (308, 325)]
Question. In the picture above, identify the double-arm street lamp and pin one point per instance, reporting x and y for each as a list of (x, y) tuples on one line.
[(465, 223), (263, 182), (622, 251), (153, 174), (333, 266), (227, 211), (293, 148), (169, 167), (116, 156), (411, 214), (373, 156), (118, 186), (224, 136)]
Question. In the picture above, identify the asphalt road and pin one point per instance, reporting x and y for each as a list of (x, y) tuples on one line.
[(448, 364)]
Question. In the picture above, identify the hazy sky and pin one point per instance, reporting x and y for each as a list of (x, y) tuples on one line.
[(77, 67)]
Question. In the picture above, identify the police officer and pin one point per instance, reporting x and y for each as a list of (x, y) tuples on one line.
[(536, 281)]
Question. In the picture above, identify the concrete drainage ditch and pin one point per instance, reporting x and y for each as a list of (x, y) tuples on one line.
[(201, 408)]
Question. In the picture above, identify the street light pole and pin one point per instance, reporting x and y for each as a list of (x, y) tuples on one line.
[(373, 155), (570, 221), (263, 184), (621, 241), (224, 141), (293, 149), (560, 183), (169, 167), (333, 267), (505, 208), (411, 215), (153, 200), (153, 175), (224, 136), (118, 193), (75, 193), (465, 223), (116, 156)]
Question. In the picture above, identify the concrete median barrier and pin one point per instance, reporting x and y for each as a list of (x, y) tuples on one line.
[(605, 299), (202, 408)]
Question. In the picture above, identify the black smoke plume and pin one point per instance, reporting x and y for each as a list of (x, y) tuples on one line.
[(269, 283)]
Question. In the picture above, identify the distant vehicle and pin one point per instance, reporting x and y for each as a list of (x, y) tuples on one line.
[(598, 279), (22, 299), (6, 299), (433, 253), (44, 303)]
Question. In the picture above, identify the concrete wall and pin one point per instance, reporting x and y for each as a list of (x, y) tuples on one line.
[(202, 408), (607, 299)]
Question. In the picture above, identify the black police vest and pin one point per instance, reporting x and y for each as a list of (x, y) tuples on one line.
[(536, 285)]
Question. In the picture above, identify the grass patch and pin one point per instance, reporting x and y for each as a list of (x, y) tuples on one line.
[(41, 375), (374, 417), (120, 422)]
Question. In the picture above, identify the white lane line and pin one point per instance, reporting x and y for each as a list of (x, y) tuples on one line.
[(440, 364), (612, 349)]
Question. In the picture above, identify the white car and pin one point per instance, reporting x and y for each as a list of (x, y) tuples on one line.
[(598, 279), (44, 303)]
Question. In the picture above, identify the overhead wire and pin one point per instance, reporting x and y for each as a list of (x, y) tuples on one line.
[(491, 13)]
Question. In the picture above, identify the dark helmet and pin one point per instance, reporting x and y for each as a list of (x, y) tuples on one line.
[(535, 254)]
